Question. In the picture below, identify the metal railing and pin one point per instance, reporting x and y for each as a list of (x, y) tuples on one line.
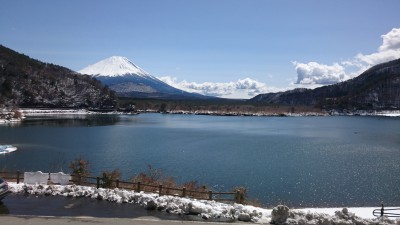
[(391, 212)]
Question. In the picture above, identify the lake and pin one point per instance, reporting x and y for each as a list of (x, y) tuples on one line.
[(298, 161)]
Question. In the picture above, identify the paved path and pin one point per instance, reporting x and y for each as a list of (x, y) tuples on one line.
[(29, 220), (21, 209)]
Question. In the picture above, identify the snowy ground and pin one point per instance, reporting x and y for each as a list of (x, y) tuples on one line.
[(38, 112), (33, 112), (9, 121), (390, 114), (209, 209)]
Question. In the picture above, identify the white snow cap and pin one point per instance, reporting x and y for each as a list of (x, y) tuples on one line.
[(113, 67)]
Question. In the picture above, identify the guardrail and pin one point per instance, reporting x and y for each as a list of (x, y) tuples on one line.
[(392, 212), (160, 189), (164, 190)]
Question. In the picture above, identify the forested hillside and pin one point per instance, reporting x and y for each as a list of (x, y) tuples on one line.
[(26, 82)]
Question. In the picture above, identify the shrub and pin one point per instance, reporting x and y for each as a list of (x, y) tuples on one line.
[(155, 177), (80, 170), (108, 177), (17, 114), (151, 177), (241, 196), (194, 186)]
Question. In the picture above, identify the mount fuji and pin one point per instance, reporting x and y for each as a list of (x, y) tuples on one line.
[(129, 80)]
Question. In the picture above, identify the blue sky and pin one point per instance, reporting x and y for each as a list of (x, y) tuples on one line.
[(228, 48)]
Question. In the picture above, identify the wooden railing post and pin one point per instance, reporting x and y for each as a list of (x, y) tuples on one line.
[(18, 173), (98, 182), (209, 195), (117, 183), (160, 190), (138, 186), (237, 197), (183, 192)]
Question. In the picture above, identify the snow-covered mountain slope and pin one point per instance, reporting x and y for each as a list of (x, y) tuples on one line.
[(113, 67), (129, 80)]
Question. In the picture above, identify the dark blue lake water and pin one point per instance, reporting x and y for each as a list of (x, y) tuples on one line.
[(299, 161)]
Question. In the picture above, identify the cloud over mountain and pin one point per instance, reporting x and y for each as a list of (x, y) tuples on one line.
[(313, 73), (391, 40), (246, 87)]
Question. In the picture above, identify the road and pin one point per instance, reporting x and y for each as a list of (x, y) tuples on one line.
[(31, 210)]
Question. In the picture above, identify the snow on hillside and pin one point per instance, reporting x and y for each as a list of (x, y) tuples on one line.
[(210, 209), (113, 67)]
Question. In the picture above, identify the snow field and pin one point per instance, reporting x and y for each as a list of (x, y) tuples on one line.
[(206, 209)]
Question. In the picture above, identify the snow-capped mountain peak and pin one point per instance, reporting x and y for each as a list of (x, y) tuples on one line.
[(114, 66), (128, 80)]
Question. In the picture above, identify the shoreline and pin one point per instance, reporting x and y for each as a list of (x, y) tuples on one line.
[(5, 121), (38, 112)]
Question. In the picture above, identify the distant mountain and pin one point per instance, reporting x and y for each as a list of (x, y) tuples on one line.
[(129, 80), (27, 82), (376, 88)]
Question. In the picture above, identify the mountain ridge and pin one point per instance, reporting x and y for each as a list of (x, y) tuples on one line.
[(376, 88)]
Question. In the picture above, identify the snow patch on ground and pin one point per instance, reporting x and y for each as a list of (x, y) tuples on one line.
[(31, 112), (206, 209), (389, 114)]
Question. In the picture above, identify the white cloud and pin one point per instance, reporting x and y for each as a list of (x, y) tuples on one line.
[(313, 73), (391, 40), (243, 88), (379, 57), (309, 75)]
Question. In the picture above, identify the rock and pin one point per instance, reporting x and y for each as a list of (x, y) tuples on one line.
[(135, 199), (345, 214), (205, 216), (151, 205), (325, 221), (292, 222), (339, 214), (279, 214), (244, 217), (99, 197), (194, 209), (161, 208), (301, 221)]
